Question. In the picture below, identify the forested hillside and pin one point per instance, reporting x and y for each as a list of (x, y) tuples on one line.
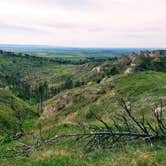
[(84, 111)]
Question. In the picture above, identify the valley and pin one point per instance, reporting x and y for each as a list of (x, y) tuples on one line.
[(44, 94)]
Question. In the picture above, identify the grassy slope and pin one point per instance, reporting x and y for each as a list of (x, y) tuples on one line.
[(8, 120), (145, 87), (33, 71), (142, 83)]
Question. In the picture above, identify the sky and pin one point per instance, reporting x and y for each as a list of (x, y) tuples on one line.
[(84, 23)]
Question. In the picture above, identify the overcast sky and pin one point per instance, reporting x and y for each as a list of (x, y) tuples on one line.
[(85, 23)]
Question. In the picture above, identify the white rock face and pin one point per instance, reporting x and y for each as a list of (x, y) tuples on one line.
[(128, 70), (97, 69), (158, 110)]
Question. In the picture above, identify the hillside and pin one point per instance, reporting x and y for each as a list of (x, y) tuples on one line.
[(15, 114), (77, 98), (73, 106), (70, 111)]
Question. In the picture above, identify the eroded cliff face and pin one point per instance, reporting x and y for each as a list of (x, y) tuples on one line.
[(72, 99), (135, 59)]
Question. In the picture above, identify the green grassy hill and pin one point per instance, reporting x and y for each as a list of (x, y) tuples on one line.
[(70, 111), (148, 87), (14, 111), (144, 88)]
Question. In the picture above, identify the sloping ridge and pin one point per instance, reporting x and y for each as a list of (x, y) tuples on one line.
[(13, 111), (71, 99)]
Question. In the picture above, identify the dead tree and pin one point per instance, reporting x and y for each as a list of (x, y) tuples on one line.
[(126, 127)]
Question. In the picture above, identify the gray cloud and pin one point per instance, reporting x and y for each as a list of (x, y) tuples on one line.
[(84, 22)]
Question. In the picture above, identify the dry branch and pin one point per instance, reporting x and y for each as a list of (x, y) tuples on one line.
[(107, 136)]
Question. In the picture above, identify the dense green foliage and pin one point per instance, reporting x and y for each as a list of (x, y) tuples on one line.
[(156, 64), (24, 74)]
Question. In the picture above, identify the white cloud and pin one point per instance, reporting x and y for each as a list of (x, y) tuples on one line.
[(110, 23)]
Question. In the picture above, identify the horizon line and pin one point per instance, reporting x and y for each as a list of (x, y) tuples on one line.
[(77, 47)]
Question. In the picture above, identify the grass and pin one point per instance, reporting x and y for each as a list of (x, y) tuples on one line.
[(9, 121), (144, 88), (72, 152), (69, 155), (142, 83)]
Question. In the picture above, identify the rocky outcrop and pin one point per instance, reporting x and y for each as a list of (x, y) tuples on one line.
[(102, 68), (61, 103), (71, 99), (152, 54), (135, 61)]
